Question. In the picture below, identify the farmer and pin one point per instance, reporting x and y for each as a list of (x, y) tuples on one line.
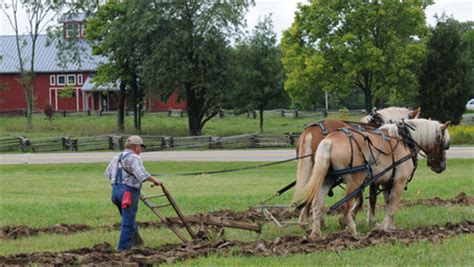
[(127, 173)]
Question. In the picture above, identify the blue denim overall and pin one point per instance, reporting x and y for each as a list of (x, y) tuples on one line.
[(129, 227)]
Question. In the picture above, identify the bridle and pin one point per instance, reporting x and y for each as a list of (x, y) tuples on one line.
[(403, 131)]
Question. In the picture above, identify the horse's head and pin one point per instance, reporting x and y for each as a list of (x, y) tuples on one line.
[(373, 118), (431, 137), (390, 115), (436, 153)]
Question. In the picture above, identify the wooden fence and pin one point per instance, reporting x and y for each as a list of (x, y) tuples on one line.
[(152, 142)]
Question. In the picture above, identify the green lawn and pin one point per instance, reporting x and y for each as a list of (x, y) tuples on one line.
[(44, 195)]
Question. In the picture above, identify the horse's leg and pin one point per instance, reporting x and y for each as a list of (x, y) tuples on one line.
[(326, 187), (303, 218), (372, 205), (358, 205), (354, 182), (392, 204)]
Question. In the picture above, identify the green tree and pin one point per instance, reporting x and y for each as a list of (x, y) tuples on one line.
[(38, 13), (444, 88), (341, 46), (190, 54), (258, 82), (467, 37), (114, 33)]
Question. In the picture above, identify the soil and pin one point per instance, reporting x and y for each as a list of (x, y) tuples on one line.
[(285, 245), (250, 215)]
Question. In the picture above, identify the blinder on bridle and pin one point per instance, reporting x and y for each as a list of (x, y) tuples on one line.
[(375, 117)]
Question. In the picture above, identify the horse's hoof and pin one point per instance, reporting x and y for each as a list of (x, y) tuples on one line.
[(378, 226), (314, 236)]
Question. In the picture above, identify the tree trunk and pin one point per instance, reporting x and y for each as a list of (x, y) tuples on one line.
[(121, 111), (137, 97), (368, 101), (367, 93), (195, 114), (261, 119)]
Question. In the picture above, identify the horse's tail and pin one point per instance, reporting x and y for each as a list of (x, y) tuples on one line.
[(305, 165), (322, 161)]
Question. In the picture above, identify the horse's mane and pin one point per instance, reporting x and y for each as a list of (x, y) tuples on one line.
[(389, 115), (423, 131)]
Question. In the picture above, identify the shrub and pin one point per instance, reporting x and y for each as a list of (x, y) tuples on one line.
[(49, 112), (461, 134)]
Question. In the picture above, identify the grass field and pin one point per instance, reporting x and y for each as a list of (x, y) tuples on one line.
[(44, 195)]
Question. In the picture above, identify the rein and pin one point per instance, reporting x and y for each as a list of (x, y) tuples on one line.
[(235, 169)]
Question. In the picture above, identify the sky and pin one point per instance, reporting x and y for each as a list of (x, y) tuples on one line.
[(283, 11)]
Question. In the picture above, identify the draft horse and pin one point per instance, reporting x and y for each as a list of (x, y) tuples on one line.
[(313, 134), (398, 147)]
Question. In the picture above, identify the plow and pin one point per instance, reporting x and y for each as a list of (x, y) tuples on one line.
[(185, 221)]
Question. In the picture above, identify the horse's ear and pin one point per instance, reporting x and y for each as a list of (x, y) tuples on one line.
[(415, 113), (445, 125)]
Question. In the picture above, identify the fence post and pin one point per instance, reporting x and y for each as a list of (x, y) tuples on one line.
[(283, 113), (74, 145), (111, 142), (24, 142), (291, 139), (296, 113), (88, 112), (221, 113), (254, 114), (64, 113), (169, 112), (215, 142), (120, 142), (65, 143)]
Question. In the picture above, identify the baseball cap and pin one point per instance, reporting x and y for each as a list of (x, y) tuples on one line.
[(135, 140)]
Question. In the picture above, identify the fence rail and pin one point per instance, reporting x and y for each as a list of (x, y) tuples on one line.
[(152, 142)]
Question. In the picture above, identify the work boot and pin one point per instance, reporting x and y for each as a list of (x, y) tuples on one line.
[(137, 240)]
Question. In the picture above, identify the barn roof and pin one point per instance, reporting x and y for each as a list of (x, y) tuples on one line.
[(90, 85), (45, 58)]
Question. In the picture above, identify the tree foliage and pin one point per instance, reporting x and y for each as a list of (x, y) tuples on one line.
[(37, 16), (113, 33), (444, 88), (189, 52), (467, 37), (375, 47), (258, 72)]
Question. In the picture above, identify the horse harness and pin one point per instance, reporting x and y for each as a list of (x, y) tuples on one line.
[(406, 139)]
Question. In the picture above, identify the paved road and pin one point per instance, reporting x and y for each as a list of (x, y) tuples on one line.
[(210, 155)]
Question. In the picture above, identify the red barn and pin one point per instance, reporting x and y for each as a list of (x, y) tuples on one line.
[(68, 87)]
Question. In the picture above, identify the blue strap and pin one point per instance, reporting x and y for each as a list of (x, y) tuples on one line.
[(119, 173)]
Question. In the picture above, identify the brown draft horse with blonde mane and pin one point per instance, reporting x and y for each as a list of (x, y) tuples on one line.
[(313, 134), (347, 147)]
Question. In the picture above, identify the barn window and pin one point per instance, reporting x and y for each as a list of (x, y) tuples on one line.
[(71, 79), (52, 80), (61, 79), (79, 79), (72, 30)]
